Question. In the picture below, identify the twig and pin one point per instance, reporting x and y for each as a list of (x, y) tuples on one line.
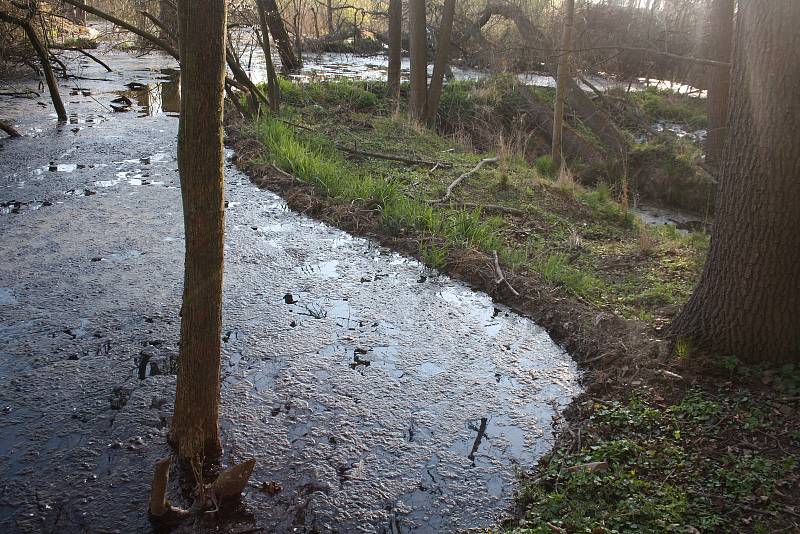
[(463, 177), (284, 173), (500, 276)]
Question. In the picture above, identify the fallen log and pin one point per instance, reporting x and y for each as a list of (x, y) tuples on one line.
[(10, 130)]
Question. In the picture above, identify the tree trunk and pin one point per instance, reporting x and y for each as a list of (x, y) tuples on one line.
[(561, 81), (273, 87), (195, 431), (576, 98), (395, 48), (329, 8), (419, 63), (168, 16), (283, 42), (440, 63), (720, 46), (747, 302), (50, 78)]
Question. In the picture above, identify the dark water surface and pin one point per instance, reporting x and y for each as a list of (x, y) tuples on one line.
[(381, 397)]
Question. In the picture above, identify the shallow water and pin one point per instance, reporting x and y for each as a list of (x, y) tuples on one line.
[(379, 396)]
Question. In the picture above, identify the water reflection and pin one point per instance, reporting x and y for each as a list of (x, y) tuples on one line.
[(158, 97)]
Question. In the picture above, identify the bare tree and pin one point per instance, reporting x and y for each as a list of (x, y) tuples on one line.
[(747, 302), (561, 81), (419, 62), (277, 28), (44, 59), (441, 62), (395, 48), (273, 87), (195, 430)]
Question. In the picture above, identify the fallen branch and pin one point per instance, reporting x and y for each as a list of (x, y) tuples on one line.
[(463, 177), (10, 130), (402, 159), (161, 43), (500, 276), (85, 53)]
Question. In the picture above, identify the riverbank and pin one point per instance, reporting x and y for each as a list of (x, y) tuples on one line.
[(649, 447)]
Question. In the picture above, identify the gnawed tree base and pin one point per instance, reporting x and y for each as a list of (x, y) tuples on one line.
[(229, 485)]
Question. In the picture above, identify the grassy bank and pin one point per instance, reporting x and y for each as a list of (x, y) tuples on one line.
[(662, 441)]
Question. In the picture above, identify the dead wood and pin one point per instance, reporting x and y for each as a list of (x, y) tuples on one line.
[(501, 278), (463, 177), (10, 130), (231, 482)]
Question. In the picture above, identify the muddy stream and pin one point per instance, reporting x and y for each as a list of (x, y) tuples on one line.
[(376, 395)]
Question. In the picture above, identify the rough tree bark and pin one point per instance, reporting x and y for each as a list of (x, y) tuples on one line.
[(747, 302), (441, 61), (561, 81), (419, 63), (720, 47), (395, 49), (50, 78), (273, 87), (283, 42), (195, 431)]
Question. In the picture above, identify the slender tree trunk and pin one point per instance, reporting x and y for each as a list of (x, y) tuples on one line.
[(747, 302), (277, 28), (195, 431), (562, 80), (329, 8), (50, 78), (419, 63), (395, 48), (273, 87), (720, 44), (441, 62)]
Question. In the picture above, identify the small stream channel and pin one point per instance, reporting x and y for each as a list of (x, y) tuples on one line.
[(376, 395)]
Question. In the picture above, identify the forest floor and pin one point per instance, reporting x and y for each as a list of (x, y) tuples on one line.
[(664, 439)]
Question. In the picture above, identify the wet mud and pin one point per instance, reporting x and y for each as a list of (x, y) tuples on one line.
[(376, 395)]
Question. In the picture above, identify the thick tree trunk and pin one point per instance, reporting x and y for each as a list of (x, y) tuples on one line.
[(440, 64), (50, 78), (395, 48), (720, 47), (195, 431), (280, 36), (747, 302), (419, 63), (561, 81), (273, 87)]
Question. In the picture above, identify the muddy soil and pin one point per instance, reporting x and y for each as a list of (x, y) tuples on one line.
[(377, 396)]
